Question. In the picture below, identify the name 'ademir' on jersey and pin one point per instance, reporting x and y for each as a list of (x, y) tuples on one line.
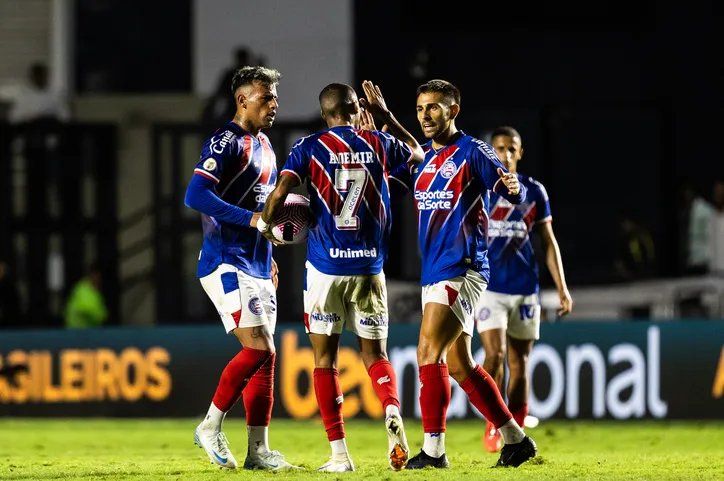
[(336, 252), (351, 158)]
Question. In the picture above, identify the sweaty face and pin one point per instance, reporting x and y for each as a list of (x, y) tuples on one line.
[(261, 104), (509, 150), (433, 113)]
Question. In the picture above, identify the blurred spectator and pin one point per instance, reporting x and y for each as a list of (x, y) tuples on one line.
[(220, 107), (716, 237), (9, 299), (86, 307), (34, 100), (698, 214), (635, 255)]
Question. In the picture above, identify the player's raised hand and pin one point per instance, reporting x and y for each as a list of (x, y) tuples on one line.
[(268, 233), (374, 101), (366, 120), (566, 303), (510, 180)]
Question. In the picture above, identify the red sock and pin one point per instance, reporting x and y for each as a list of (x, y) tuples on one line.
[(486, 398), (235, 376), (434, 397), (384, 382), (259, 394), (519, 413), (329, 399)]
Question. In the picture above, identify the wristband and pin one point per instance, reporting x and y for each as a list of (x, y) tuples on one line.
[(262, 226)]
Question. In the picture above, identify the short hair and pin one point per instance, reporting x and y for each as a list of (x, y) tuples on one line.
[(336, 99), (444, 87), (247, 75), (507, 131)]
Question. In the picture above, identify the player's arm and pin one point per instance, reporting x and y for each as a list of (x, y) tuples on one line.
[(201, 196), (495, 176), (400, 181), (375, 104), (286, 182), (555, 264)]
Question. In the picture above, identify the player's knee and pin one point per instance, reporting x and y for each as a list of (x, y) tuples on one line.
[(459, 370), (429, 352), (494, 359)]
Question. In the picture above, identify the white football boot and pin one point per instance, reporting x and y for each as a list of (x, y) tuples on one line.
[(397, 448), (338, 463), (216, 446), (271, 461)]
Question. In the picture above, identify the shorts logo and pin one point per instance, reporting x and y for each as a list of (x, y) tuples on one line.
[(527, 311), (448, 169), (466, 305), (209, 164), (484, 314), (255, 306), (373, 321), (319, 317), (273, 302)]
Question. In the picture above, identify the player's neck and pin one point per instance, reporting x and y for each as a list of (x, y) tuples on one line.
[(250, 128), (340, 123), (445, 138)]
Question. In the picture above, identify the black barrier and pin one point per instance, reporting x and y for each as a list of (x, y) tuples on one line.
[(672, 370)]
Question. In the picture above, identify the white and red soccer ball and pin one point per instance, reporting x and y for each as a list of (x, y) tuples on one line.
[(291, 224)]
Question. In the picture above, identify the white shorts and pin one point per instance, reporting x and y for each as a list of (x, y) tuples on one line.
[(460, 293), (333, 302), (518, 314), (241, 300)]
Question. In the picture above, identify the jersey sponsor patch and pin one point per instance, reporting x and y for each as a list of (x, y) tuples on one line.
[(210, 164), (255, 306)]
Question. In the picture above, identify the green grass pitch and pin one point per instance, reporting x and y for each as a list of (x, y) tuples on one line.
[(86, 449)]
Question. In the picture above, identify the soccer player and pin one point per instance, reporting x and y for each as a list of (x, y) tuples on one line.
[(450, 189), (235, 173), (510, 305), (346, 171)]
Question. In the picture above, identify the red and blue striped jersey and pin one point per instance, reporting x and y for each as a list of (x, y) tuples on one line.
[(451, 197), (244, 169), (346, 171), (513, 267)]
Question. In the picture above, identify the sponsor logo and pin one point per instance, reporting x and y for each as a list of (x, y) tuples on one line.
[(434, 200), (210, 164), (527, 311), (378, 320), (508, 228), (337, 253), (219, 143), (255, 306), (319, 317), (273, 302), (383, 380), (430, 169), (262, 192), (466, 306), (351, 158), (448, 169)]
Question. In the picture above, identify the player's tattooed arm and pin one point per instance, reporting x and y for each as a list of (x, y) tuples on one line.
[(375, 104)]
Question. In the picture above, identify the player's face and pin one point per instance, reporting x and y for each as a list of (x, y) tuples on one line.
[(261, 105), (433, 113), (509, 150)]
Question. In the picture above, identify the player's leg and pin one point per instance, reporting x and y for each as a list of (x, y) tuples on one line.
[(524, 329), (491, 321), (368, 318), (447, 313), (324, 320), (485, 396), (258, 396), (229, 290)]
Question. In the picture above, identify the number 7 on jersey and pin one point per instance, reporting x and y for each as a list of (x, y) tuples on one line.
[(353, 183)]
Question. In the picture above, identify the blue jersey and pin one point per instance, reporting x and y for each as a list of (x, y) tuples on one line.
[(346, 171), (451, 197), (513, 267), (244, 170)]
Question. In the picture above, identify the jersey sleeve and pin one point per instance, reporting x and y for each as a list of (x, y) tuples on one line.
[(297, 163), (400, 180), (543, 210), (211, 161), (398, 152), (485, 164)]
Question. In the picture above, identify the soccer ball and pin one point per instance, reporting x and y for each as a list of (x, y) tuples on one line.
[(291, 224)]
